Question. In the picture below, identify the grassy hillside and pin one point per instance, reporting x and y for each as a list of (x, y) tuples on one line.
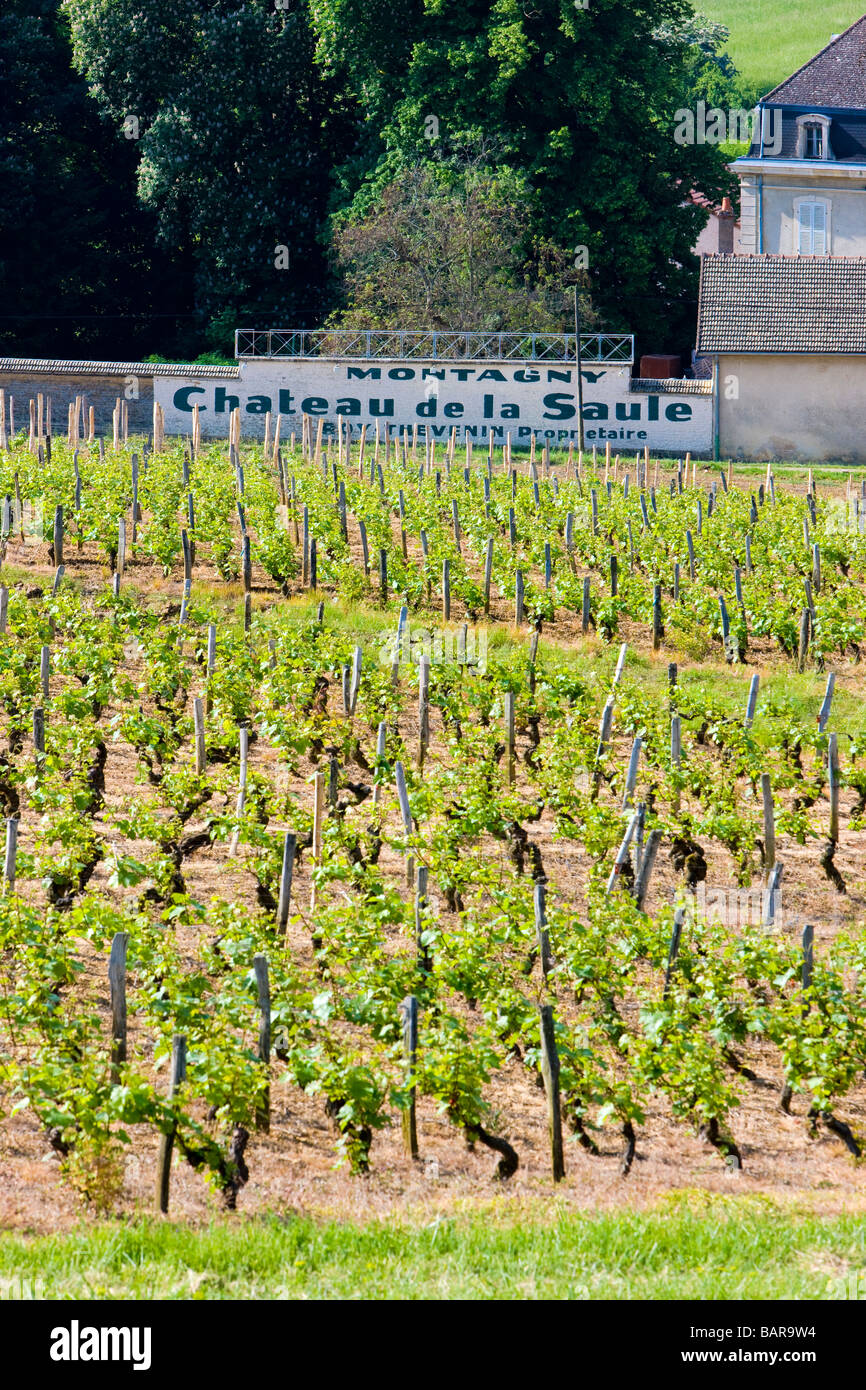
[(770, 39)]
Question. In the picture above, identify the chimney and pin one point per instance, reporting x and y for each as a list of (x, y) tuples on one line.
[(726, 228)]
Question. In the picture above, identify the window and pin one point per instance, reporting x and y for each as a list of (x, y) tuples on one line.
[(813, 136), (814, 141), (812, 231)]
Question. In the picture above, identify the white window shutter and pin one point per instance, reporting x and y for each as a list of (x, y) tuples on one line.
[(819, 229), (812, 229)]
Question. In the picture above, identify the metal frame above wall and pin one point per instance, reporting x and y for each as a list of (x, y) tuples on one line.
[(408, 344)]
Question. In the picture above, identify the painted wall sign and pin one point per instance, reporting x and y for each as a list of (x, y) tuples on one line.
[(475, 398)]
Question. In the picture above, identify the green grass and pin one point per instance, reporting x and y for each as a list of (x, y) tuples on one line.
[(688, 1246), (770, 39)]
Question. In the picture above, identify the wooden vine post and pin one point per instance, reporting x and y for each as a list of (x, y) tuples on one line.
[(550, 1075), (631, 773), (488, 572), (380, 753), (673, 952), (383, 575), (808, 955), (647, 863), (117, 985), (11, 855), (211, 666), (166, 1142), (409, 1024), (242, 785), (803, 641), (286, 872), (423, 708), (622, 853), (833, 787), (39, 737), (263, 1109), (198, 724), (676, 760), (603, 736), (58, 536), (824, 712), (187, 557), (542, 934), (657, 625), (318, 822), (406, 813), (519, 592), (771, 896), (399, 645), (421, 949), (752, 701), (508, 702), (355, 682), (769, 823)]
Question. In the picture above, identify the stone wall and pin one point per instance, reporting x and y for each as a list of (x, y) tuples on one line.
[(100, 383)]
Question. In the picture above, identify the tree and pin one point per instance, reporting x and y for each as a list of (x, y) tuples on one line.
[(582, 102), (443, 246), (79, 275), (236, 131), (708, 71)]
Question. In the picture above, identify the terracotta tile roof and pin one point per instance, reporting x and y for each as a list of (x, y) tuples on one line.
[(782, 304), (834, 77)]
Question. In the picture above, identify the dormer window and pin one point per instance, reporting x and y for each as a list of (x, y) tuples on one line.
[(813, 137), (814, 140)]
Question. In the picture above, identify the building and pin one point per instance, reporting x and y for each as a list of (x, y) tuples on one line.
[(784, 321), (721, 235), (787, 337), (803, 181)]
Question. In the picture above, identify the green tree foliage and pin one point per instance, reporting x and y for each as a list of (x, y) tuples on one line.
[(443, 246), (189, 191), (79, 275), (582, 102), (235, 141), (708, 72)]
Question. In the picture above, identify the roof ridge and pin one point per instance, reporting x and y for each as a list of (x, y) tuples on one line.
[(814, 58), (779, 256)]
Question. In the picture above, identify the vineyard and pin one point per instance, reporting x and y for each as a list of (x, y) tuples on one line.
[(396, 819)]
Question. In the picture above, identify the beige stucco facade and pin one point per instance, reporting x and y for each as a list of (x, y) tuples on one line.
[(792, 407), (770, 194)]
